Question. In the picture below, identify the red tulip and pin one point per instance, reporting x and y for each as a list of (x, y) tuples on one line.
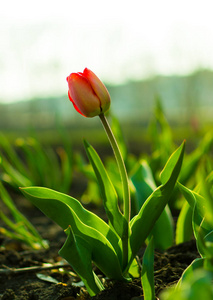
[(88, 94)]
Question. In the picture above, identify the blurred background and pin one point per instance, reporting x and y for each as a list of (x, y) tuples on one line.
[(156, 59), (142, 51)]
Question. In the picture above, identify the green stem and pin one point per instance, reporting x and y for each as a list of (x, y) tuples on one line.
[(124, 179)]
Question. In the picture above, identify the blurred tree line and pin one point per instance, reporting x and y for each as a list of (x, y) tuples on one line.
[(184, 98)]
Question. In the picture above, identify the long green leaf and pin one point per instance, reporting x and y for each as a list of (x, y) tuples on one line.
[(67, 211), (199, 207), (143, 222), (21, 228), (143, 182), (189, 271), (12, 155), (193, 198), (195, 287), (80, 260), (191, 162), (17, 215), (13, 176), (172, 164), (184, 230), (147, 275), (108, 192), (163, 231)]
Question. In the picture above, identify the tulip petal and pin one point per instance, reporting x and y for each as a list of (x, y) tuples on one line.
[(99, 89), (74, 104)]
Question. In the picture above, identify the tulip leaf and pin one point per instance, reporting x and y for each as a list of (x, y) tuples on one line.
[(99, 235), (205, 245), (163, 231), (142, 224), (184, 224), (110, 199), (191, 162), (143, 182), (170, 165), (82, 253), (200, 215), (193, 198), (189, 271), (196, 200), (147, 275)]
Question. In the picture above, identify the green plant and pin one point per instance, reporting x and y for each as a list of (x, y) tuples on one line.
[(111, 246), (19, 228), (147, 273), (142, 184), (28, 162), (92, 192), (195, 287), (196, 280)]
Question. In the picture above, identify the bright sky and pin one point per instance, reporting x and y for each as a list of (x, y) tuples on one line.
[(43, 41)]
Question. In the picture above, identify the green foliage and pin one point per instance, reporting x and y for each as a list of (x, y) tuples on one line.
[(28, 162), (89, 236), (19, 228), (196, 280), (143, 181), (82, 252), (194, 161), (92, 240), (147, 274), (109, 196), (184, 229), (145, 176), (156, 202), (112, 246), (92, 193), (161, 142), (195, 287)]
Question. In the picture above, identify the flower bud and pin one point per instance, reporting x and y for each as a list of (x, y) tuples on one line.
[(88, 94)]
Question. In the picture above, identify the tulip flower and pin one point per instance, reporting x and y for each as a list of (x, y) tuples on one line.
[(88, 94), (91, 98)]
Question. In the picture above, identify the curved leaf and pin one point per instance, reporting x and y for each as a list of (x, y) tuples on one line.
[(67, 211), (82, 253), (143, 182), (200, 210), (193, 199), (184, 230), (189, 271), (163, 231), (143, 222), (147, 275), (171, 165), (110, 199)]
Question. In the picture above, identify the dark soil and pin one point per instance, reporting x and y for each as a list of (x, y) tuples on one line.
[(21, 268)]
